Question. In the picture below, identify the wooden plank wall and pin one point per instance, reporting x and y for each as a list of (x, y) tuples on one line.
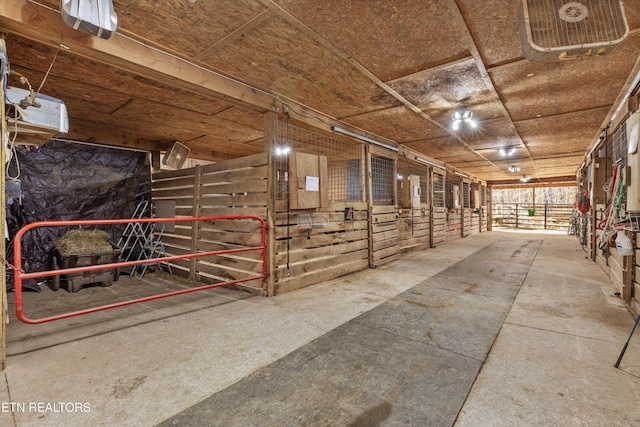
[(439, 220), (484, 219), (415, 228), (332, 247), (466, 214), (475, 223), (235, 187), (385, 234), (454, 223)]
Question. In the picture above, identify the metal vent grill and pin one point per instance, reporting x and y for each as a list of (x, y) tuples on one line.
[(619, 145), (560, 23)]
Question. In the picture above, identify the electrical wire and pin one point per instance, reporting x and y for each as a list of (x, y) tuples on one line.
[(48, 70), (12, 149)]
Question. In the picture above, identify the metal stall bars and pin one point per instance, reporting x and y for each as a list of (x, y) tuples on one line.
[(20, 275)]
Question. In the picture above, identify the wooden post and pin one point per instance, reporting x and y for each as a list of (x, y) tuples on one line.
[(369, 184), (195, 226), (430, 187), (517, 210), (489, 205), (627, 274), (461, 204), (270, 140), (545, 216), (3, 215), (592, 210)]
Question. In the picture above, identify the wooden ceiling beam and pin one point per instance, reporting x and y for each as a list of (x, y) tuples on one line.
[(271, 4), (45, 25)]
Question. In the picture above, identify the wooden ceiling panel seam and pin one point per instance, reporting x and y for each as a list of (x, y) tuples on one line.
[(566, 113), (236, 34)]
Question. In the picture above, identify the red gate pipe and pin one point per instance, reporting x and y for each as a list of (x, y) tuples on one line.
[(19, 275)]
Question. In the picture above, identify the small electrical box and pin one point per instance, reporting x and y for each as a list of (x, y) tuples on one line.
[(476, 199), (456, 196), (411, 192)]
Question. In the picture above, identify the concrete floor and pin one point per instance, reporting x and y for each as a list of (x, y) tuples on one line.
[(174, 361)]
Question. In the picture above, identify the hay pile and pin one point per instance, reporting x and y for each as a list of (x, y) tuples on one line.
[(76, 242)]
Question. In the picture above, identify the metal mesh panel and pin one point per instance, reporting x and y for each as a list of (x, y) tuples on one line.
[(424, 188), (466, 197), (558, 23), (344, 161), (438, 190), (483, 195), (382, 181), (619, 145)]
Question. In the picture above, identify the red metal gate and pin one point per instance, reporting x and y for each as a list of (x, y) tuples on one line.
[(20, 275)]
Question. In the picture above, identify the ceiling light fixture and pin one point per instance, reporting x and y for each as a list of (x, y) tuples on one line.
[(507, 151), (525, 178), (363, 138), (463, 115), (514, 168), (428, 162), (283, 150)]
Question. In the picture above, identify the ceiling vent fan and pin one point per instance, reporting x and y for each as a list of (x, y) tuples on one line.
[(176, 155), (552, 30), (94, 17)]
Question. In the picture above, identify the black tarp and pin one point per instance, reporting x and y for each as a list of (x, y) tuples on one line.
[(69, 181)]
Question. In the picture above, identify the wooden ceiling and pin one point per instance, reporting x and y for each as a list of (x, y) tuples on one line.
[(205, 71)]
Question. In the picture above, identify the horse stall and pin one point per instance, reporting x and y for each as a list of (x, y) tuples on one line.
[(321, 216), (415, 205)]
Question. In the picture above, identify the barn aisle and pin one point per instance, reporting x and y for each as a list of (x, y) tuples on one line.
[(400, 343)]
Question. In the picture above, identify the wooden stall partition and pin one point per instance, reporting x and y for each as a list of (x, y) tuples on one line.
[(455, 210), (235, 187), (316, 239), (475, 208), (438, 208), (485, 204), (320, 245), (466, 222), (415, 228), (439, 220), (454, 225), (415, 205), (385, 234)]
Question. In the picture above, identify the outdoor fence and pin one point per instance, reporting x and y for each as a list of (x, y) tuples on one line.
[(532, 217)]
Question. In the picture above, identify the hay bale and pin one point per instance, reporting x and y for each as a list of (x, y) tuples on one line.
[(76, 242)]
